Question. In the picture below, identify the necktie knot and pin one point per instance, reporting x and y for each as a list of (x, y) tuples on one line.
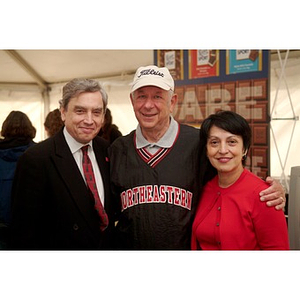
[(84, 149)]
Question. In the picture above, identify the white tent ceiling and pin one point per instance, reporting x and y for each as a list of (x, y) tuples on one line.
[(44, 67)]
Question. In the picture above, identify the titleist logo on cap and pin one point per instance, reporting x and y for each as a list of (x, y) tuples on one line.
[(151, 72)]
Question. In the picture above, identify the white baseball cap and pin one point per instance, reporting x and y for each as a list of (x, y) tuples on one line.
[(154, 76)]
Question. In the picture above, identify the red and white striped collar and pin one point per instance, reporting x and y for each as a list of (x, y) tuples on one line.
[(152, 154)]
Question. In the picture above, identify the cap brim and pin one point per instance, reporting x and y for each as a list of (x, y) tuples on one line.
[(150, 83)]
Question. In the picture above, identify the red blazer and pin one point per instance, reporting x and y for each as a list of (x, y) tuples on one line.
[(234, 218)]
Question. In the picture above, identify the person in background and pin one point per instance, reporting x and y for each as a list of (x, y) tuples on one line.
[(109, 131), (53, 122), (18, 134), (230, 215), (155, 170), (56, 205)]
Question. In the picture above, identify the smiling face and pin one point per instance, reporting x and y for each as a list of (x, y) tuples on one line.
[(152, 107), (225, 151), (84, 116)]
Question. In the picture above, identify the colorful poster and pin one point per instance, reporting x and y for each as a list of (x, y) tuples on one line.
[(243, 61), (203, 63), (173, 60)]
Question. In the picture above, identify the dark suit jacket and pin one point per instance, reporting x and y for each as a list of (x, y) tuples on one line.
[(51, 206)]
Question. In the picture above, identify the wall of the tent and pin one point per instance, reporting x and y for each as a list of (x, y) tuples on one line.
[(26, 99), (285, 141)]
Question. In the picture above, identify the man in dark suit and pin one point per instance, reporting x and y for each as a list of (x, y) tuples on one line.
[(52, 207)]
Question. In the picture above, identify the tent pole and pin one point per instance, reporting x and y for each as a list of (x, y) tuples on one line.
[(46, 102), (23, 63)]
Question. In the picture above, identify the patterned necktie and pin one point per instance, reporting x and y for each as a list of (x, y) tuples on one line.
[(91, 183)]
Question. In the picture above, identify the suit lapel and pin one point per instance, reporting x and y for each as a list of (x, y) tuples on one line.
[(70, 174)]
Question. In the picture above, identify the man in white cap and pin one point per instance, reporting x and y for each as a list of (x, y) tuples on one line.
[(155, 169)]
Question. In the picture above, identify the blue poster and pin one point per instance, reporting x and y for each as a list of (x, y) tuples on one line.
[(243, 61)]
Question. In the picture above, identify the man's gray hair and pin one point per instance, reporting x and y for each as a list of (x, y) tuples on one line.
[(81, 85)]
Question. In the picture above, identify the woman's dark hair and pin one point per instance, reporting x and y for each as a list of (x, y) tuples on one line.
[(53, 122), (17, 124), (230, 122)]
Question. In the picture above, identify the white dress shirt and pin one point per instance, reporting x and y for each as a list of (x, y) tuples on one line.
[(75, 148)]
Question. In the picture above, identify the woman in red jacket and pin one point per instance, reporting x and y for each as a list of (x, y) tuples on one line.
[(230, 215)]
